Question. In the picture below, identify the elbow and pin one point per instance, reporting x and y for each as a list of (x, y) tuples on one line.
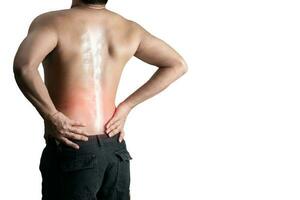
[(184, 67), (21, 71), (181, 67), (18, 71)]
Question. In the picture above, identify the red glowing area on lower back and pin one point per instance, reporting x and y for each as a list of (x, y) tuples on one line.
[(81, 105)]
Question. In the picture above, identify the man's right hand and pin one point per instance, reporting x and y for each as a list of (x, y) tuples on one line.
[(65, 129)]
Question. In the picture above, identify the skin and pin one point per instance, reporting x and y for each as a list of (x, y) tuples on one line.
[(84, 51)]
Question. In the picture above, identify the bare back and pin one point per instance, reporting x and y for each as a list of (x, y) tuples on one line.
[(82, 73), (84, 51)]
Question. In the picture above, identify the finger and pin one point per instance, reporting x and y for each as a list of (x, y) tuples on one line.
[(76, 136), (112, 121), (64, 126), (113, 126), (77, 123), (69, 143), (121, 137), (63, 132), (114, 132), (78, 131)]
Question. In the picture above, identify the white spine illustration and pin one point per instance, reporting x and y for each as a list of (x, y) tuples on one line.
[(92, 43)]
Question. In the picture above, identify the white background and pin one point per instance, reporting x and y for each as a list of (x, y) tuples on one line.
[(228, 129)]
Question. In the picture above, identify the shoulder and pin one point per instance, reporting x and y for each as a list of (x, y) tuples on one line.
[(124, 22), (139, 29), (48, 20)]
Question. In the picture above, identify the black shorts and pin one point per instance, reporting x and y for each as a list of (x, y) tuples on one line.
[(99, 169)]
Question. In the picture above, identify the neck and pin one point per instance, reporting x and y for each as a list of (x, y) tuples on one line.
[(78, 3)]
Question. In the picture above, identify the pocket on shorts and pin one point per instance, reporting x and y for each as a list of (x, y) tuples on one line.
[(123, 154), (123, 176), (77, 162)]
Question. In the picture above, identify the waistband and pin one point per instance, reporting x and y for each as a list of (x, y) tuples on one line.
[(92, 139)]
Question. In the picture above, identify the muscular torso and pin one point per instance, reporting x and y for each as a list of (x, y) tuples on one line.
[(82, 73)]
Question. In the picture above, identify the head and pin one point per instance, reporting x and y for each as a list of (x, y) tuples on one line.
[(94, 1), (90, 2)]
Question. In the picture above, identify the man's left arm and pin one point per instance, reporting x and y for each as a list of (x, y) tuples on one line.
[(39, 42)]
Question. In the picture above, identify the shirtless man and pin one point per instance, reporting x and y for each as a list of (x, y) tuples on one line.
[(83, 51)]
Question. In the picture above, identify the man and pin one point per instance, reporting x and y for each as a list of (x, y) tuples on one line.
[(83, 51)]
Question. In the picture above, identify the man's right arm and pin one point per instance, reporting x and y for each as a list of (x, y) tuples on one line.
[(170, 63), (171, 66)]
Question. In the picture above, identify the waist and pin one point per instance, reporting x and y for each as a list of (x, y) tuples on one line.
[(93, 119), (91, 128), (92, 139)]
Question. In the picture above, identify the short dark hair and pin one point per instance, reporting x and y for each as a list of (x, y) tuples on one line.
[(94, 1)]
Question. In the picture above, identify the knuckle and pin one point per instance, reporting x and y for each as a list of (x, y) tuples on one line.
[(79, 138), (64, 132), (84, 133), (65, 142), (75, 137), (78, 131), (61, 133), (72, 129), (69, 135)]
